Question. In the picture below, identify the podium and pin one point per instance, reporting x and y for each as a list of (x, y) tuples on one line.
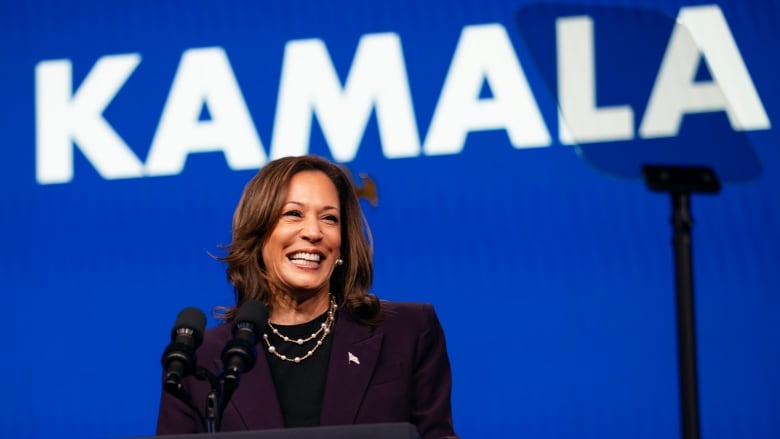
[(363, 431)]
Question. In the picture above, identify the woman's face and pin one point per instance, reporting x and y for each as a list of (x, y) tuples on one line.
[(303, 246)]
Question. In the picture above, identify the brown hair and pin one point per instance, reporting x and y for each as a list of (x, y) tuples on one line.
[(256, 216)]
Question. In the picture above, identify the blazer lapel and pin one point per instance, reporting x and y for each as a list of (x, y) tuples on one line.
[(255, 399), (353, 358)]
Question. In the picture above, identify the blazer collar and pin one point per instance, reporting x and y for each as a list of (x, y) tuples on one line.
[(353, 357), (255, 399)]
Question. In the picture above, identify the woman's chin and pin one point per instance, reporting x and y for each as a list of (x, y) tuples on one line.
[(307, 289)]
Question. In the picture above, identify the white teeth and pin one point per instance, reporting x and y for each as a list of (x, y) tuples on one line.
[(313, 257)]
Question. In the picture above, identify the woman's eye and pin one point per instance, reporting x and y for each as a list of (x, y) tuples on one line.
[(294, 213), (332, 219)]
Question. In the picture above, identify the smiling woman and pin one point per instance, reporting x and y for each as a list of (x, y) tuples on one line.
[(301, 246), (301, 205), (303, 249)]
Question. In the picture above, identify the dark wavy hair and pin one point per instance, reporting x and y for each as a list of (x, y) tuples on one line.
[(255, 217)]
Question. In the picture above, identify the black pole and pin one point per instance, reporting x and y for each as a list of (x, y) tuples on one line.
[(682, 223), (213, 420), (680, 182), (213, 412)]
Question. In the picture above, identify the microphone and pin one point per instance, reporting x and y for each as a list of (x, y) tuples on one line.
[(179, 360), (239, 354)]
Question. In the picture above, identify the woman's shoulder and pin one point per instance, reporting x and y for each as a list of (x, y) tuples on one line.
[(214, 340), (222, 330), (391, 307), (413, 315)]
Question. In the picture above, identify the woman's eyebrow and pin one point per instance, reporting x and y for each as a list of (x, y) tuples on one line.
[(326, 207)]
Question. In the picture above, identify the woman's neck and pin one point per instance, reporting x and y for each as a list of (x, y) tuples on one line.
[(290, 310)]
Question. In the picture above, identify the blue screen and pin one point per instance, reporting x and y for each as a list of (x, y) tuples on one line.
[(505, 139)]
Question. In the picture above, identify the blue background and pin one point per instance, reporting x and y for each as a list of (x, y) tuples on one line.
[(553, 279)]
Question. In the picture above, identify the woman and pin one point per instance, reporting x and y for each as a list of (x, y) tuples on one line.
[(333, 353)]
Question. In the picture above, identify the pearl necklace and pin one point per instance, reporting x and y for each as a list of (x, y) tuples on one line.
[(324, 330)]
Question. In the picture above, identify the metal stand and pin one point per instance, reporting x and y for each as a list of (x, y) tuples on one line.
[(213, 411), (680, 183), (216, 399)]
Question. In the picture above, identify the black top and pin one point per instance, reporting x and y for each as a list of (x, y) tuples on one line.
[(299, 386)]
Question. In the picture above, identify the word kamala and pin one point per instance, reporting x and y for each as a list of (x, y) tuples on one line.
[(377, 82)]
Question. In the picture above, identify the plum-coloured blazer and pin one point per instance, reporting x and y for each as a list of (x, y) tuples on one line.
[(403, 376)]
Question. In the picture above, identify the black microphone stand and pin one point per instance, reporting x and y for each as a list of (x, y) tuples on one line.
[(213, 410), (238, 356), (680, 183), (216, 400)]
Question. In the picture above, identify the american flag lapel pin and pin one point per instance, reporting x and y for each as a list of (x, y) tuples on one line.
[(352, 358)]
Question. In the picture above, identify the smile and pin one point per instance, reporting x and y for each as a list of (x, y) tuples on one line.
[(305, 259)]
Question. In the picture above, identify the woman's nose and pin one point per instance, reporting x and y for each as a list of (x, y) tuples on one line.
[(311, 230)]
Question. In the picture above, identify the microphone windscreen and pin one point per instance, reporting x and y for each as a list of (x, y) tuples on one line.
[(191, 318), (253, 312)]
